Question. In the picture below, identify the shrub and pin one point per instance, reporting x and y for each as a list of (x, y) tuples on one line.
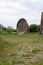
[(1, 31), (38, 28), (4, 28), (9, 29), (33, 28), (14, 30)]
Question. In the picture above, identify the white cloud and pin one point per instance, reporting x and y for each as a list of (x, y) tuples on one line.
[(12, 10)]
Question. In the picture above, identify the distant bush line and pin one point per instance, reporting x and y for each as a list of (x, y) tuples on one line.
[(34, 28), (9, 29)]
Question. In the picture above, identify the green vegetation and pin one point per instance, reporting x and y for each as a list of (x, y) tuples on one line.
[(20, 49), (34, 28), (9, 29), (6, 30), (35, 50)]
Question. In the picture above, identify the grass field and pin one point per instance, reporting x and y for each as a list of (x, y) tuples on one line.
[(21, 49)]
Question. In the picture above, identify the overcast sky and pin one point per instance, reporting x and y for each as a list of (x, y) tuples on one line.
[(12, 10)]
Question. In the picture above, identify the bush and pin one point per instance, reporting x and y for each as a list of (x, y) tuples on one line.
[(4, 28), (1, 31), (34, 28), (9, 29), (38, 28), (14, 30)]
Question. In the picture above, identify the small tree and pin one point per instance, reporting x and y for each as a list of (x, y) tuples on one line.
[(33, 28)]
